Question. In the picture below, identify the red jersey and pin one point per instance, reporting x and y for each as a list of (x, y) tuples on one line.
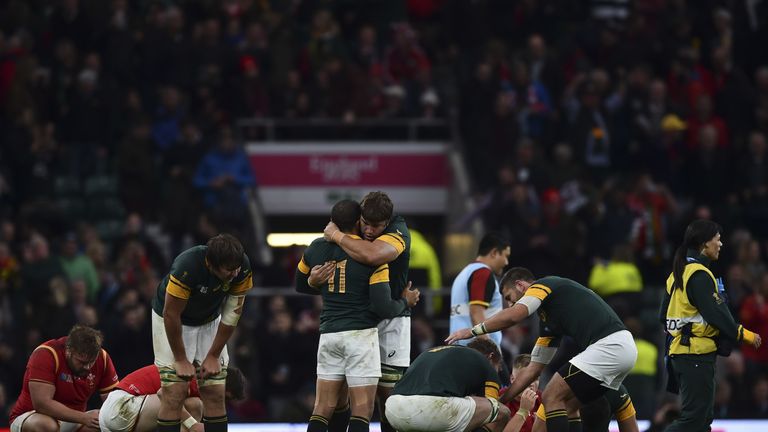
[(146, 381), (514, 405), (48, 364)]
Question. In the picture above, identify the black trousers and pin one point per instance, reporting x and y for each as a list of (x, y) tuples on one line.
[(696, 375)]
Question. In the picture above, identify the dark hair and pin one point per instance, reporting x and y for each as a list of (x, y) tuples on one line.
[(224, 250), (345, 214), (698, 232), (235, 384), (85, 340), (376, 207), (521, 361), (515, 274), (491, 241), (485, 347)]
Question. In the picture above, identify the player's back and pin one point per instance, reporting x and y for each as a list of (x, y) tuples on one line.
[(569, 308), (346, 299), (449, 371)]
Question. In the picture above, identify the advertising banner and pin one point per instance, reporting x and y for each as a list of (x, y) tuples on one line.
[(308, 178)]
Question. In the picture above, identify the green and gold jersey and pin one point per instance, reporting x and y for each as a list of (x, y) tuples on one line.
[(348, 294), (450, 371), (191, 279), (571, 309), (396, 234)]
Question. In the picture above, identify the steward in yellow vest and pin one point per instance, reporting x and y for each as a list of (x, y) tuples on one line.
[(697, 319)]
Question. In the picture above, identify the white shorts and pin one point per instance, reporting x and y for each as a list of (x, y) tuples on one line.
[(350, 354), (18, 422), (429, 413), (197, 342), (608, 360), (395, 341), (120, 411)]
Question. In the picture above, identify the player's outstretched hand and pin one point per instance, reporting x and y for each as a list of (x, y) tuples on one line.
[(184, 369), (758, 341), (320, 274), (411, 296), (458, 335), (210, 367), (329, 230)]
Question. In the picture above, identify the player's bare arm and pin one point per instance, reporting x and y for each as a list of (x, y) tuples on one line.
[(231, 311), (42, 400), (372, 254), (523, 379), (506, 318), (477, 315), (172, 310)]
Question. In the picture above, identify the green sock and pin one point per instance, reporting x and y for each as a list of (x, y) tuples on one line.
[(340, 420), (317, 423), (168, 425), (358, 424), (574, 424), (557, 421), (215, 424)]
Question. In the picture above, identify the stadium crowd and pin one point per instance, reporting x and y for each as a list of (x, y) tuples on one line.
[(594, 132)]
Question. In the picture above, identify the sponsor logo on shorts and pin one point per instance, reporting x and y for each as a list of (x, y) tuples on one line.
[(391, 354)]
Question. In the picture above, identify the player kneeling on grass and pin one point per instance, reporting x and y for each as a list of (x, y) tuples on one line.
[(450, 389), (134, 405)]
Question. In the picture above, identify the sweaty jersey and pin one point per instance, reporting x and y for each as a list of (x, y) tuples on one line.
[(191, 279), (450, 371), (396, 234), (48, 364), (347, 294), (474, 285), (571, 309), (146, 381)]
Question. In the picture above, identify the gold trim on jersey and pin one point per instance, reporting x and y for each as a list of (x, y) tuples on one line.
[(539, 291), (491, 389), (177, 289), (544, 341), (55, 355), (393, 239), (242, 287), (303, 267), (381, 275)]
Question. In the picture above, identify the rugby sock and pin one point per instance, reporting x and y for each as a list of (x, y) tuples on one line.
[(168, 425), (557, 421), (358, 424), (215, 424), (574, 424), (317, 423), (340, 419)]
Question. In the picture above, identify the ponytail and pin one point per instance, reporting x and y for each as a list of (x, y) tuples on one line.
[(698, 232), (678, 266)]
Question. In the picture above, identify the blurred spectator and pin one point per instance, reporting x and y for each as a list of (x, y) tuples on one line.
[(754, 314), (224, 175), (618, 281), (38, 271), (78, 266)]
